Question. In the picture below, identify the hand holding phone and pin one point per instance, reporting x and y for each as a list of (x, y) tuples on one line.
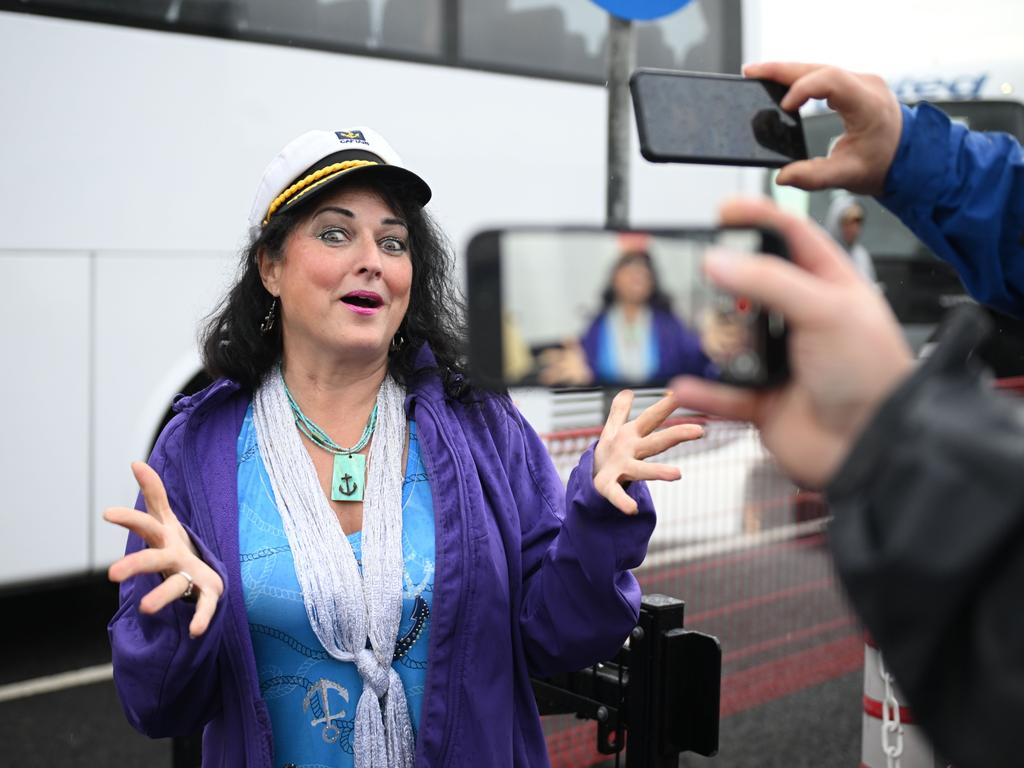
[(684, 117), (848, 353), (872, 124)]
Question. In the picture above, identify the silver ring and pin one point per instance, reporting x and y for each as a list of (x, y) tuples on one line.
[(191, 585)]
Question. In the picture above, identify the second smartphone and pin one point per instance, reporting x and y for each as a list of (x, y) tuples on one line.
[(686, 117), (588, 307)]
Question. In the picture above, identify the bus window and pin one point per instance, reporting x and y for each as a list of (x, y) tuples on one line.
[(551, 36), (563, 39), (132, 10), (569, 37), (399, 26)]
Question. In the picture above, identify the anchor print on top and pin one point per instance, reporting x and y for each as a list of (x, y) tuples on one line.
[(318, 699)]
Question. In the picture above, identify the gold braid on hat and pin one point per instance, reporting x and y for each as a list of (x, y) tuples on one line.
[(309, 183)]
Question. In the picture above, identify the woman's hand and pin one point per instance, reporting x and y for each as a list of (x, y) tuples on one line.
[(722, 339), (565, 367), (847, 352), (620, 453), (169, 552)]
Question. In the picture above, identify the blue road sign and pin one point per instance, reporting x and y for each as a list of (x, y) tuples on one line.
[(641, 10)]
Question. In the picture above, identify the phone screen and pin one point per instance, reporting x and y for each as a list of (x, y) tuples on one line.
[(580, 308), (717, 119)]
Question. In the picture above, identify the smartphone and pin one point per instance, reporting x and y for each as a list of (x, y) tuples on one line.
[(568, 307), (719, 119)]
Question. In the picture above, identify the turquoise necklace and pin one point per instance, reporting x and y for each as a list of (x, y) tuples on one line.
[(349, 473)]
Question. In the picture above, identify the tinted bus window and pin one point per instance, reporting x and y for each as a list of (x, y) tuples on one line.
[(550, 36), (569, 37), (400, 26), (705, 36)]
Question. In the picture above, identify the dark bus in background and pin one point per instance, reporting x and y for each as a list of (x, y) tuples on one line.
[(920, 287)]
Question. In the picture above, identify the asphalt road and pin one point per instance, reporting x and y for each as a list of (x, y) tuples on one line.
[(82, 726)]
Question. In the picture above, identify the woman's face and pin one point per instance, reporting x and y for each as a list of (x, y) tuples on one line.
[(852, 224), (632, 282), (345, 277)]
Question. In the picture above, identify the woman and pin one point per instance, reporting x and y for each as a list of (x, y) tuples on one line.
[(635, 338), (385, 627)]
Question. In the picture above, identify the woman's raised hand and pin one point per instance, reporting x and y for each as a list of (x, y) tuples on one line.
[(620, 453), (565, 366), (169, 551)]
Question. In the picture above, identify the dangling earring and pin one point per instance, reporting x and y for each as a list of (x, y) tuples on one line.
[(268, 321), (397, 342)]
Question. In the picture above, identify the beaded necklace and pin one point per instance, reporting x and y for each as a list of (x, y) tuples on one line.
[(349, 475)]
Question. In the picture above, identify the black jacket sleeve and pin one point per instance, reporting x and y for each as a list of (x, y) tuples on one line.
[(928, 540)]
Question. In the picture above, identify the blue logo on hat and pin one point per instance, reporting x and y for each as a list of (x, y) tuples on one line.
[(351, 137)]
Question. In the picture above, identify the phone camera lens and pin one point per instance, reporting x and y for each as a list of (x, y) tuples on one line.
[(744, 365)]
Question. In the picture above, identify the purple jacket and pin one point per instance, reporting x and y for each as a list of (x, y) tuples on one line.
[(679, 348), (530, 579)]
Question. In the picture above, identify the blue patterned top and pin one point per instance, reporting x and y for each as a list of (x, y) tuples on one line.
[(311, 696), (610, 364)]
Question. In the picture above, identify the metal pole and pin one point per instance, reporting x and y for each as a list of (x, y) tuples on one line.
[(621, 59)]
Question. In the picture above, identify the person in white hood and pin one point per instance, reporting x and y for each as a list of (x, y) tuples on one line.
[(845, 222)]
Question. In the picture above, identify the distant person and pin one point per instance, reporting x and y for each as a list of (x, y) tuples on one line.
[(845, 222), (344, 553), (635, 336)]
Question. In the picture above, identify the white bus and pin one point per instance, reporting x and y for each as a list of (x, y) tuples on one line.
[(133, 136)]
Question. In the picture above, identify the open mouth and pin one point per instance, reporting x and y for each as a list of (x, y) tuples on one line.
[(365, 300)]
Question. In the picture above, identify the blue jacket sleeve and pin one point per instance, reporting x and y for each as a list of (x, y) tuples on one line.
[(962, 193), (579, 598), (167, 681)]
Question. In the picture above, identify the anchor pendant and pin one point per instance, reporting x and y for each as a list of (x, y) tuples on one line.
[(347, 478)]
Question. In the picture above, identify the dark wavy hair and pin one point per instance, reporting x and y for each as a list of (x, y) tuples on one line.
[(234, 346), (658, 298)]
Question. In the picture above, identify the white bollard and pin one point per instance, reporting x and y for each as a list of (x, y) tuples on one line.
[(889, 737)]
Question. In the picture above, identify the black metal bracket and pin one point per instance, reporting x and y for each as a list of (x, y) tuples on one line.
[(595, 693), (662, 691)]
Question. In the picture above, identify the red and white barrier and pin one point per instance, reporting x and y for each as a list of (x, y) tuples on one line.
[(890, 737)]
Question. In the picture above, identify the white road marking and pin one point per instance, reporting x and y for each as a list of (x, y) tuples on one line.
[(59, 682)]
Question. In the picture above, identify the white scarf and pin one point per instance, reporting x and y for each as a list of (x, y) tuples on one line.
[(346, 608)]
